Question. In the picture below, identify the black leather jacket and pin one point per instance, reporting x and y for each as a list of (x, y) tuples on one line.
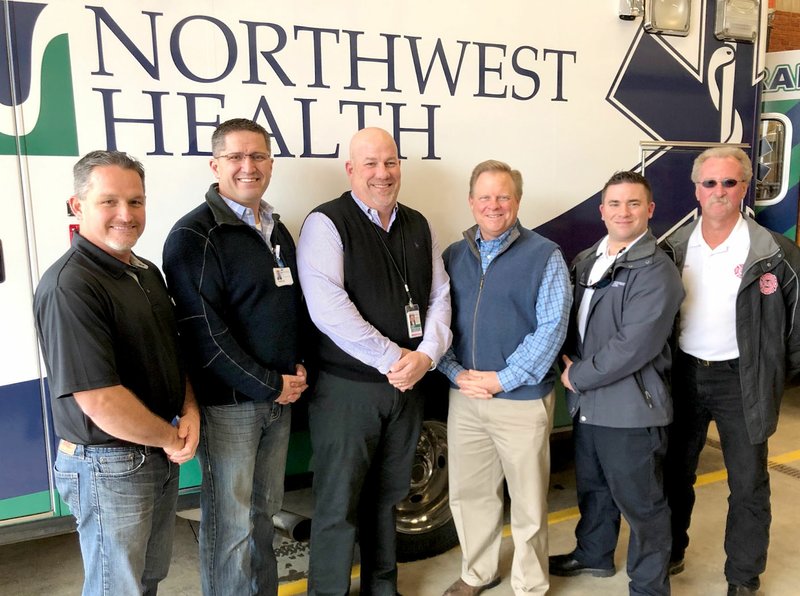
[(767, 322)]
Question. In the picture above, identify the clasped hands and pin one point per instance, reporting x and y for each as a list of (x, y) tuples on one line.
[(478, 384), (293, 386), (411, 367)]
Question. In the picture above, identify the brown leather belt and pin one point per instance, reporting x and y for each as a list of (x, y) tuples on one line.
[(69, 448), (65, 446)]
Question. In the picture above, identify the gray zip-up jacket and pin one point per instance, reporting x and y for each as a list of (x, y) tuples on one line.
[(620, 368), (767, 325)]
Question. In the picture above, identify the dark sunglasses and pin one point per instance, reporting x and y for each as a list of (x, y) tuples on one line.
[(601, 283), (725, 182)]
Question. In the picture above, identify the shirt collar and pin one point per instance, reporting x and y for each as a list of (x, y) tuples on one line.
[(499, 240), (246, 213), (109, 262), (372, 213), (696, 237), (602, 248), (136, 262)]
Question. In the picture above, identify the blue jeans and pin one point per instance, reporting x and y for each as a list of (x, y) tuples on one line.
[(243, 456), (701, 394), (123, 499)]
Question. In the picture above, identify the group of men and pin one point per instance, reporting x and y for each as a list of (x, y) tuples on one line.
[(142, 374)]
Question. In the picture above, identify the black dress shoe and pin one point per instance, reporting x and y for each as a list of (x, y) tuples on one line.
[(568, 566), (676, 566), (734, 590)]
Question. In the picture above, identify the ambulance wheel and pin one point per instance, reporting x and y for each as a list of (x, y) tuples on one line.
[(424, 523)]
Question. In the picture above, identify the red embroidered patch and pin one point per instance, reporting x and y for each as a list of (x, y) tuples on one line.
[(768, 284), (738, 270)]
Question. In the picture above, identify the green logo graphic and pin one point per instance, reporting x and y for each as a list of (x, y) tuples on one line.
[(55, 131)]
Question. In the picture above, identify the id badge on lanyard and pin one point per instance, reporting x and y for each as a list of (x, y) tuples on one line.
[(283, 276), (413, 321)]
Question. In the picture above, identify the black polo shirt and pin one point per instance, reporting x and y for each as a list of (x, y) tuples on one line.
[(101, 323)]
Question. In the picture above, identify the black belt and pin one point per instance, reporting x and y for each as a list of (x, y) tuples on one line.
[(710, 363)]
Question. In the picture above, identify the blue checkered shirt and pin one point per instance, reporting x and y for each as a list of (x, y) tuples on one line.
[(533, 358)]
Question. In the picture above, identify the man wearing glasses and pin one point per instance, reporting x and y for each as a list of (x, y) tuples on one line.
[(230, 267), (738, 339), (627, 293)]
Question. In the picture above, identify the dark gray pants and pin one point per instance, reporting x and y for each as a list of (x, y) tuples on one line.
[(364, 437), (621, 470)]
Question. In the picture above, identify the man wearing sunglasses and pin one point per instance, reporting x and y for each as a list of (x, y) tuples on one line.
[(230, 267), (627, 293), (738, 339)]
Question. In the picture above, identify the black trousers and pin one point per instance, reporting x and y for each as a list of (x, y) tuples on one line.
[(701, 394), (621, 470), (364, 437)]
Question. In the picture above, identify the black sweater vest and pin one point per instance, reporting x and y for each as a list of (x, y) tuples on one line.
[(373, 283)]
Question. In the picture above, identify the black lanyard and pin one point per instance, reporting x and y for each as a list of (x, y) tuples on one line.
[(404, 273)]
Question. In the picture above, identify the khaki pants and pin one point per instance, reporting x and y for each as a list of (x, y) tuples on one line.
[(489, 440)]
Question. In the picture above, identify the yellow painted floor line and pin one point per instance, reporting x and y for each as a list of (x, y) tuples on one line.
[(721, 475), (556, 517), (711, 477), (784, 458), (300, 586)]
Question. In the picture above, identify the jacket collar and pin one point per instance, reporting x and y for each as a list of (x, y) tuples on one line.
[(469, 236), (762, 245)]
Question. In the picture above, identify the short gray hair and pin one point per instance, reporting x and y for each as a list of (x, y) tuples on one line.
[(722, 153), (82, 171)]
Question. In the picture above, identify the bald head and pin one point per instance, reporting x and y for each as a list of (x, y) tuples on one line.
[(366, 138), (374, 169)]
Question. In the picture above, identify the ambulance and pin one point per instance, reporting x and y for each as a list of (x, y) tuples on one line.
[(566, 92)]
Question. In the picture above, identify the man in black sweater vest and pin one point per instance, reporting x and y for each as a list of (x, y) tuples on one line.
[(375, 285)]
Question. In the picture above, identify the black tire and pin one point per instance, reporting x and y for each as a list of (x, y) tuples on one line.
[(424, 523)]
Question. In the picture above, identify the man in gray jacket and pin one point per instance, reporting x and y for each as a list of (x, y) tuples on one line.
[(627, 293)]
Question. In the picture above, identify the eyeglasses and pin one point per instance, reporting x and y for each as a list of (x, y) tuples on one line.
[(725, 182), (240, 157)]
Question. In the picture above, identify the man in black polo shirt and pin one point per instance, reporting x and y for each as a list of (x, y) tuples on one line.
[(109, 341)]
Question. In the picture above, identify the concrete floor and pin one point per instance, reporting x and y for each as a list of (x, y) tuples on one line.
[(52, 566)]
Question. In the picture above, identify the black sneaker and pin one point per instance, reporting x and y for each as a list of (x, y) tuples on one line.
[(676, 566), (568, 566)]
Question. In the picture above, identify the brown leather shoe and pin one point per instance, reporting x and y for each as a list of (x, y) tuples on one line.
[(462, 588)]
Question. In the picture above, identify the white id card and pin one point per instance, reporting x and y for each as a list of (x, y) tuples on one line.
[(413, 321), (283, 276)]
